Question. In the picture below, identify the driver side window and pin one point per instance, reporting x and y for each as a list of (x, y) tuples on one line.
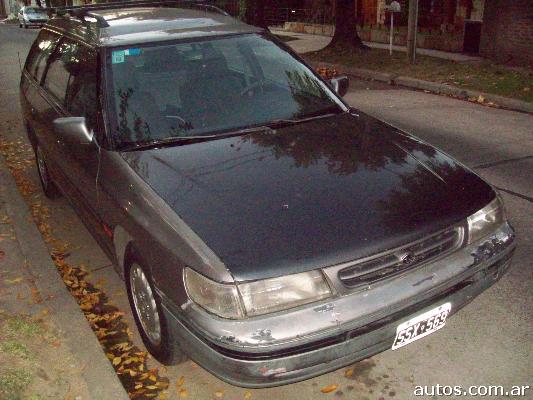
[(82, 96)]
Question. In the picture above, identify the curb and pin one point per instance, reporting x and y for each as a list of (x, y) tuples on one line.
[(433, 87), (102, 381)]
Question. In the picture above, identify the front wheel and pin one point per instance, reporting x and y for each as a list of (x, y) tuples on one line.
[(25, 26), (49, 187), (149, 317)]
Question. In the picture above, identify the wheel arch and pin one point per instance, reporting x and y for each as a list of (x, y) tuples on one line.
[(124, 251), (32, 137)]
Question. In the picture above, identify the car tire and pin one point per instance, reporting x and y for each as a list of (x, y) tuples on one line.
[(25, 26), (49, 187), (20, 25), (149, 317)]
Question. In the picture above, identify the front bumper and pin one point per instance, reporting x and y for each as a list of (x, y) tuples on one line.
[(36, 21), (302, 343)]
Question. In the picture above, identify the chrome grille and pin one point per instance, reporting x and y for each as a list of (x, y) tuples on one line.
[(400, 260)]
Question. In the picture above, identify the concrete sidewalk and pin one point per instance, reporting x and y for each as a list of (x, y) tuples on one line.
[(31, 288), (306, 43)]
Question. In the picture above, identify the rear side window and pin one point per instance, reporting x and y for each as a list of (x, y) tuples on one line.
[(58, 74), (40, 52), (81, 98)]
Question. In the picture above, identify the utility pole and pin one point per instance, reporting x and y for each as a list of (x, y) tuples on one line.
[(412, 27)]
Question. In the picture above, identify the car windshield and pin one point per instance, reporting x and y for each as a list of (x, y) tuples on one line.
[(35, 11), (206, 87)]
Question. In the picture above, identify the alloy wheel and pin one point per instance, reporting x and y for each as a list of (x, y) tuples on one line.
[(145, 304)]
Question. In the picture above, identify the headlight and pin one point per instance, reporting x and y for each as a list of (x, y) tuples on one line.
[(259, 297), (486, 220), (220, 299), (289, 291)]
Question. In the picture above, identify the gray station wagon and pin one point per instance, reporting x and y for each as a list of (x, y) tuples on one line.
[(262, 226)]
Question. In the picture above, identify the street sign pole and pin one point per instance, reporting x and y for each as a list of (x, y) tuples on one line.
[(411, 30), (393, 7), (391, 31)]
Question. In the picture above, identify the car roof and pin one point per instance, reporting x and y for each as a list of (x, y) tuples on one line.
[(136, 25)]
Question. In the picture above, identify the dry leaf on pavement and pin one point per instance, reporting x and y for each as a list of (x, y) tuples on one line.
[(329, 389)]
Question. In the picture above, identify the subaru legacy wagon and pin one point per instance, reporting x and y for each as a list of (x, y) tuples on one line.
[(263, 227)]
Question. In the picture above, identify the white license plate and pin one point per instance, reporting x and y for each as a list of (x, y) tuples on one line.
[(421, 325)]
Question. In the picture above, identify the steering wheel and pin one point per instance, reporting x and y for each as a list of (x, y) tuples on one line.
[(251, 87)]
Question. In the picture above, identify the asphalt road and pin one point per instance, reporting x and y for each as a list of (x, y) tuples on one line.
[(490, 342)]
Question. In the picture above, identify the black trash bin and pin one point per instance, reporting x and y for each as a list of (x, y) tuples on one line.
[(472, 36)]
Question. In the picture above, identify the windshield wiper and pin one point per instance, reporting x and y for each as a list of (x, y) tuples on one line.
[(277, 123), (180, 140)]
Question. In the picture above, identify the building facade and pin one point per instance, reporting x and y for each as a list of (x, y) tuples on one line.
[(507, 34), (448, 25)]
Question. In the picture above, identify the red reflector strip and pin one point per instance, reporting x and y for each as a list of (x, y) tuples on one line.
[(107, 230)]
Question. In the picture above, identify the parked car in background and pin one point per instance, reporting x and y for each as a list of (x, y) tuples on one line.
[(263, 227), (32, 16)]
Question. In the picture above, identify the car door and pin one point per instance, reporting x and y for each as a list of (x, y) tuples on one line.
[(71, 90), (35, 107)]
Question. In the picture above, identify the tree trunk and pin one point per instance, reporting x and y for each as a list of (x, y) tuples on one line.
[(255, 13), (346, 36)]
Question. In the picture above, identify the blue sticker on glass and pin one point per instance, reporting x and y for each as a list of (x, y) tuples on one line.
[(132, 52), (117, 57)]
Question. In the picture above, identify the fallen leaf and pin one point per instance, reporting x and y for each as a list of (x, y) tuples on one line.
[(13, 281), (183, 393), (219, 394), (329, 389), (247, 395), (180, 382), (117, 360), (36, 295), (348, 373)]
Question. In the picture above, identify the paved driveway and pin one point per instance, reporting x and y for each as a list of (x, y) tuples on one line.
[(489, 342)]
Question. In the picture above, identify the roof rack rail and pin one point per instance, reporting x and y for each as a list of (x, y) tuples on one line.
[(81, 12)]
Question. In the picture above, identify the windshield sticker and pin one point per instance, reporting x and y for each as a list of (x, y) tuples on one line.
[(117, 57), (132, 52)]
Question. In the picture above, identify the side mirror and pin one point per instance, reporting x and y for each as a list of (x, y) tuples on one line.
[(73, 129), (340, 84)]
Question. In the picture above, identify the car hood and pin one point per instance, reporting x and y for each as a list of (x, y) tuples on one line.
[(310, 195)]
